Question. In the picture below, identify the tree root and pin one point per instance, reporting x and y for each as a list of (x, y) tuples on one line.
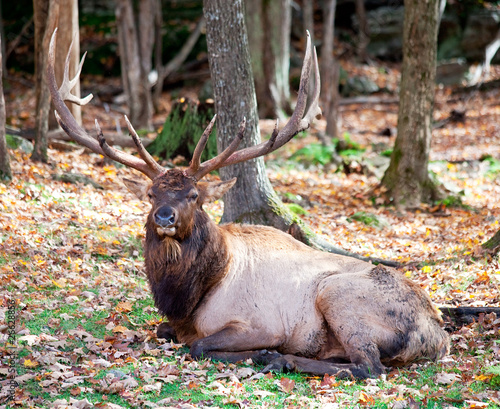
[(493, 244), (317, 242)]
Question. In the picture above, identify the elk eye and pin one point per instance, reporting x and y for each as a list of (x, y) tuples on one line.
[(193, 196)]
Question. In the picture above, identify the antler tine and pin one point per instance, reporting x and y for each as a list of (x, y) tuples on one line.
[(125, 158), (145, 164), (200, 146), (220, 160), (297, 123), (314, 109), (68, 85), (143, 153)]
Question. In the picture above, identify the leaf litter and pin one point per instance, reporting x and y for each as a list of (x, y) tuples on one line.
[(71, 259)]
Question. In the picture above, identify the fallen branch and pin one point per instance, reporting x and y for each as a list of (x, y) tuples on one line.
[(459, 316), (368, 100), (176, 62)]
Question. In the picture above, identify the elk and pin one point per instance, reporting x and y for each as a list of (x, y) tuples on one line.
[(233, 292)]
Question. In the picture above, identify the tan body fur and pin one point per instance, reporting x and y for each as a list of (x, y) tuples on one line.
[(234, 292), (283, 295)]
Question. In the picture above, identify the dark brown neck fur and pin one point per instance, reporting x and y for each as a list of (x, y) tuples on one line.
[(180, 284)]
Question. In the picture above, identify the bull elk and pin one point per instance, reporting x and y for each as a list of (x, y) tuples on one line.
[(233, 292)]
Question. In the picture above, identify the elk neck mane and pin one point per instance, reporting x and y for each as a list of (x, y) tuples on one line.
[(181, 273)]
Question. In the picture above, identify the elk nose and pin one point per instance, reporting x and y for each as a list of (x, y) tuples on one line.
[(165, 216)]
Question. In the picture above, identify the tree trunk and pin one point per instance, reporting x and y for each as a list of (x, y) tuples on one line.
[(270, 54), (132, 56), (252, 199), (68, 31), (176, 62), (5, 171), (363, 35), (308, 17), (46, 13), (492, 244), (330, 71), (407, 178), (3, 46)]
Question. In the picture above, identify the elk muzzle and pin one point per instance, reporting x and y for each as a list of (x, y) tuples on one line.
[(165, 218)]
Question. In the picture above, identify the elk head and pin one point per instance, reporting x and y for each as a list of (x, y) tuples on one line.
[(177, 194), (175, 197)]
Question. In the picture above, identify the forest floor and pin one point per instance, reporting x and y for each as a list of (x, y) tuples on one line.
[(71, 258)]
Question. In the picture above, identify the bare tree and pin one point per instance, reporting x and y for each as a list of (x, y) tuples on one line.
[(2, 40), (5, 171), (135, 43), (363, 35), (69, 34), (407, 178), (489, 52), (252, 199), (330, 71), (46, 14), (308, 17), (173, 65), (269, 26)]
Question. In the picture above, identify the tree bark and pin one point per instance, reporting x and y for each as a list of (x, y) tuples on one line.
[(308, 17), (270, 54), (3, 49), (363, 35), (46, 14), (68, 31), (330, 71), (407, 178), (165, 70), (136, 47), (252, 199), (5, 171), (492, 244)]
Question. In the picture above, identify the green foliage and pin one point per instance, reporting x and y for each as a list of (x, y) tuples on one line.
[(349, 144), (494, 168), (296, 209), (454, 201), (369, 219), (319, 154), (315, 154), (182, 131), (387, 153), (349, 153), (495, 371)]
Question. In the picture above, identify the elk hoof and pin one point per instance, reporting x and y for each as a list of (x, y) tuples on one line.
[(284, 363), (265, 357)]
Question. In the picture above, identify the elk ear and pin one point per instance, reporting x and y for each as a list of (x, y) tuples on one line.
[(210, 191), (137, 187)]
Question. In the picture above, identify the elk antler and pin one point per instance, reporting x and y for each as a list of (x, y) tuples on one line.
[(145, 164), (297, 123)]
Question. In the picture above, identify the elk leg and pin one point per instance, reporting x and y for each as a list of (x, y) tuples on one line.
[(234, 344), (315, 367)]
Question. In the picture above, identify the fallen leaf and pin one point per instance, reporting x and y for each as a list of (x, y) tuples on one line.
[(124, 306), (445, 378), (286, 384)]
